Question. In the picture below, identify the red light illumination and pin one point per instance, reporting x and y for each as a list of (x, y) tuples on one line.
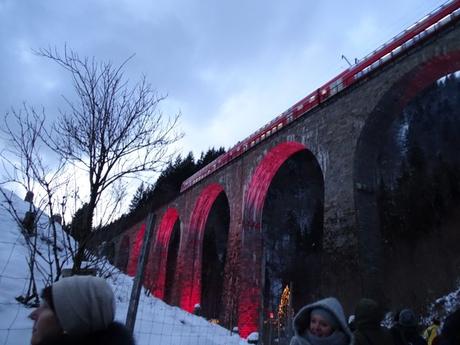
[(191, 251), (250, 285), (160, 252), (134, 255), (428, 73)]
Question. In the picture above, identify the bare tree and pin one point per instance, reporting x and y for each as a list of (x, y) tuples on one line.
[(112, 129), (22, 160)]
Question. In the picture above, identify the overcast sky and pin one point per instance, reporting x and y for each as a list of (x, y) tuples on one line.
[(227, 66)]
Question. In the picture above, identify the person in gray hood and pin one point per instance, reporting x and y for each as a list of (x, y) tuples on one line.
[(321, 323)]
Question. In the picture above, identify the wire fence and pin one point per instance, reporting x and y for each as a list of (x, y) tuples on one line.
[(156, 322)]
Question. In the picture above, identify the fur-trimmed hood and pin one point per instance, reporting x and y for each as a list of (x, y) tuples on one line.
[(331, 304), (114, 334)]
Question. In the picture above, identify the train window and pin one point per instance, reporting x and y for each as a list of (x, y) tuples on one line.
[(280, 125), (430, 29), (375, 64), (300, 107), (245, 147), (336, 83), (407, 44), (336, 86), (269, 132), (312, 98), (324, 91), (252, 143), (386, 57), (262, 137), (289, 118), (340, 86), (444, 20), (396, 50)]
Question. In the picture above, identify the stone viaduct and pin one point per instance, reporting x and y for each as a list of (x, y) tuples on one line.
[(314, 179)]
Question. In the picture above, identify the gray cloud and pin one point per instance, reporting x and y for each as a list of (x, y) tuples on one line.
[(218, 61)]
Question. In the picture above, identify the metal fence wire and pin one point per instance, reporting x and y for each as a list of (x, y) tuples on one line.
[(154, 321)]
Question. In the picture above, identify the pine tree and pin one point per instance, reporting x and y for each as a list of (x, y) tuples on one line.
[(137, 198), (77, 227)]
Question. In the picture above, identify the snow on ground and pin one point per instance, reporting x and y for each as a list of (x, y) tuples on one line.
[(443, 306), (156, 322)]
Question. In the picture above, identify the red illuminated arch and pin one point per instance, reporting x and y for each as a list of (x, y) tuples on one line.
[(123, 254), (250, 277), (391, 104), (160, 252), (135, 251), (190, 293), (426, 74)]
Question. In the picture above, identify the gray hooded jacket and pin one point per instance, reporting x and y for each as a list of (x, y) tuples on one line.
[(302, 321)]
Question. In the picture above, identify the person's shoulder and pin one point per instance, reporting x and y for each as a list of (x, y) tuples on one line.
[(395, 330), (115, 334), (359, 337), (299, 340), (419, 340)]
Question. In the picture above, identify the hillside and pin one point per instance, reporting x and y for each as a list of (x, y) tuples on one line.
[(156, 323)]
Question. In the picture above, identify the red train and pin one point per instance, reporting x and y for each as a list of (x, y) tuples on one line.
[(434, 21)]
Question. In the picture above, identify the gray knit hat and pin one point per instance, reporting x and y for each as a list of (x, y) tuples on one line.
[(407, 318), (83, 304)]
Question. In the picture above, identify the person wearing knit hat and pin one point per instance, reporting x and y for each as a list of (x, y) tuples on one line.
[(368, 331), (405, 331), (78, 310), (450, 333), (321, 323)]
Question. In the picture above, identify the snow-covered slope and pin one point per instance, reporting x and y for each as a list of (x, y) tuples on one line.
[(156, 322)]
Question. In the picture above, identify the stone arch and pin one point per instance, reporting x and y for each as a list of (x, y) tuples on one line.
[(135, 251), (365, 169), (250, 299), (192, 248), (214, 257), (170, 285), (161, 251), (109, 251), (123, 253)]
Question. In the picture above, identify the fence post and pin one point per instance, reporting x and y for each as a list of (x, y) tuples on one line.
[(136, 290)]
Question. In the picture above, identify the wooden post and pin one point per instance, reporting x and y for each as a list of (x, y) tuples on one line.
[(138, 279)]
